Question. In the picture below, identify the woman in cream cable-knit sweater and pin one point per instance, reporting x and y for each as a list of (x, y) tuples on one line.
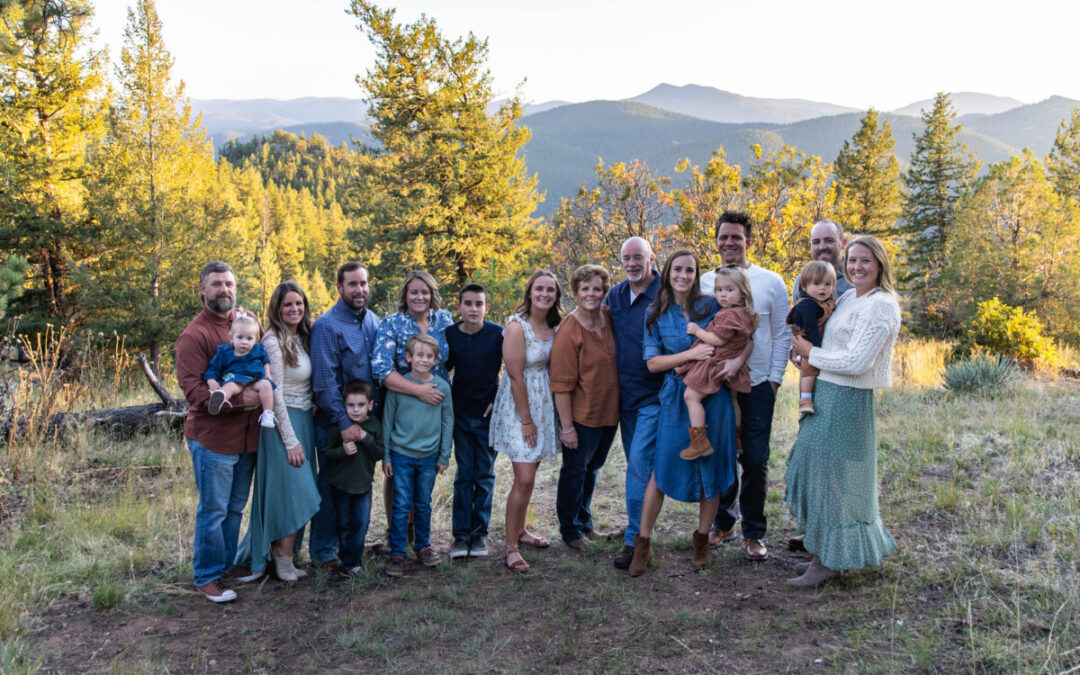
[(832, 470)]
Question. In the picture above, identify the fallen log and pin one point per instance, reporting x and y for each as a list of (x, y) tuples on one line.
[(119, 423)]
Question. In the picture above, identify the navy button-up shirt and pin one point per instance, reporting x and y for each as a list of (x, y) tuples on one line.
[(637, 386), (342, 342)]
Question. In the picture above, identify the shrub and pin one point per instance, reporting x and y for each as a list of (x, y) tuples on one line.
[(1001, 330), (980, 374)]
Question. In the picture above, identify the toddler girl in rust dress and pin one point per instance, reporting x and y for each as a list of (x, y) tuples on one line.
[(728, 332)]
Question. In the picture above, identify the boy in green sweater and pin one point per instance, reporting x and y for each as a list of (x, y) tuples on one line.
[(351, 466), (417, 447)]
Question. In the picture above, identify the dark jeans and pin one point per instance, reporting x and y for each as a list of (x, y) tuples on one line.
[(414, 479), (757, 415), (353, 516), (474, 482), (577, 479), (323, 543)]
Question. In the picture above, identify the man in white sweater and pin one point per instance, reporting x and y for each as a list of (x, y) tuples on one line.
[(772, 342)]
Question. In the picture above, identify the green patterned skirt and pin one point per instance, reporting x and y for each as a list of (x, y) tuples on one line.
[(832, 483)]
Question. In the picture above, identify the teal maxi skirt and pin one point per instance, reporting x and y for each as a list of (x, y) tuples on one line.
[(832, 483), (284, 497)]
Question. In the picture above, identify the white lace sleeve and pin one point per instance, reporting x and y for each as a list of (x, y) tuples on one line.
[(873, 330), (277, 374)]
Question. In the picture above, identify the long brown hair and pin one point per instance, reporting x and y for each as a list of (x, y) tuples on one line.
[(273, 316), (665, 297), (554, 315)]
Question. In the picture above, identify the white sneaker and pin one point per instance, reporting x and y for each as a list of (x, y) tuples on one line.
[(266, 420)]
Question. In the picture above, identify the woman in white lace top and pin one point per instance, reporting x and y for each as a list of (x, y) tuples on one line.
[(285, 496), (832, 488)]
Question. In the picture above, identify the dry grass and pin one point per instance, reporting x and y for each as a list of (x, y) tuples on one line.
[(979, 493)]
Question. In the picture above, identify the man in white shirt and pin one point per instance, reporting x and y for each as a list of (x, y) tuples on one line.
[(772, 343)]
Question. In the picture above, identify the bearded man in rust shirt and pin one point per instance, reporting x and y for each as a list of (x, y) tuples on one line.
[(222, 446)]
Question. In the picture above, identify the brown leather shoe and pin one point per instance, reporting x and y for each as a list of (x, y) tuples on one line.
[(699, 444), (718, 536), (642, 555), (755, 550), (702, 557), (624, 557)]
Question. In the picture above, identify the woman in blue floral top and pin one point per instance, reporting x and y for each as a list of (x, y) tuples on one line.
[(418, 312)]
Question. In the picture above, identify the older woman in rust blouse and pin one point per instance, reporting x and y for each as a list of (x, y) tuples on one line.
[(585, 382)]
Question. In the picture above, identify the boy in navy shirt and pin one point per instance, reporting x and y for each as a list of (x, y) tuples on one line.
[(475, 358)]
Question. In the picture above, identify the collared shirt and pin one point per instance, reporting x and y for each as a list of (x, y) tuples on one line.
[(395, 330), (842, 286), (637, 386), (772, 339), (341, 344)]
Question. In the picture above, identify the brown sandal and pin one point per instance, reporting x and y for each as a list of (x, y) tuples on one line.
[(514, 561)]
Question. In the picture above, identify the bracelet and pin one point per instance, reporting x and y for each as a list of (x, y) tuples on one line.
[(567, 432), (526, 423)]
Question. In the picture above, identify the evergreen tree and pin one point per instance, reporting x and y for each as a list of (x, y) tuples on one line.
[(1063, 162), (50, 93), (156, 195), (868, 179), (940, 173), (12, 276), (447, 188)]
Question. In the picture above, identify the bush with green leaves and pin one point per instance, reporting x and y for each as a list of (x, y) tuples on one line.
[(980, 374), (1001, 330)]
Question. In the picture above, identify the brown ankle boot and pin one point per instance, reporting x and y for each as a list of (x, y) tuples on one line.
[(699, 444), (702, 559), (642, 555)]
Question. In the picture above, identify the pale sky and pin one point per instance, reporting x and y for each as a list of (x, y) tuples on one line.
[(858, 53)]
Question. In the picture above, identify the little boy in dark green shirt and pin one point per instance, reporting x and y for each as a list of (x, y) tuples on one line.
[(351, 467)]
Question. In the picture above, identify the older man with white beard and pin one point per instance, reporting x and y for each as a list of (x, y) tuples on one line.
[(639, 389)]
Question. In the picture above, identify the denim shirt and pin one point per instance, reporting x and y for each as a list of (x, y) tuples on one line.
[(637, 386), (341, 346), (395, 331), (669, 334)]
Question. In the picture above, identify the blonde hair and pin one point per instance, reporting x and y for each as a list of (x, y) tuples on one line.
[(885, 279), (816, 272), (421, 338), (429, 281), (742, 282), (245, 318)]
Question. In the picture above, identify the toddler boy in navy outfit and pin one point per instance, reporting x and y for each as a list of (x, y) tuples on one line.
[(475, 358)]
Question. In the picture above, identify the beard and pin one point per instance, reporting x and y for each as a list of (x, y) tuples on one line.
[(220, 304)]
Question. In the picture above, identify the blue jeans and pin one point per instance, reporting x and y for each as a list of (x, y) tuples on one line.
[(474, 482), (353, 516), (223, 482), (414, 479), (639, 464), (757, 414), (323, 541), (577, 480)]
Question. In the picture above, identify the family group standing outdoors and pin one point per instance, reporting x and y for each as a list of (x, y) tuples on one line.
[(685, 366)]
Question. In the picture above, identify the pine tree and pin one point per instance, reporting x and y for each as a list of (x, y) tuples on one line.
[(868, 179), (939, 176), (156, 194), (12, 276), (1063, 163), (51, 89), (447, 187)]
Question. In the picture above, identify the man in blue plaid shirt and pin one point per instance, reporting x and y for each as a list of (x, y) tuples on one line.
[(342, 340)]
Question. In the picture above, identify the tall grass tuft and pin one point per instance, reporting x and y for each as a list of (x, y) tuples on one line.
[(981, 374), (918, 363)]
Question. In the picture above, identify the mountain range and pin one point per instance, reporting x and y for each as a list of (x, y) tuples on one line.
[(667, 124)]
